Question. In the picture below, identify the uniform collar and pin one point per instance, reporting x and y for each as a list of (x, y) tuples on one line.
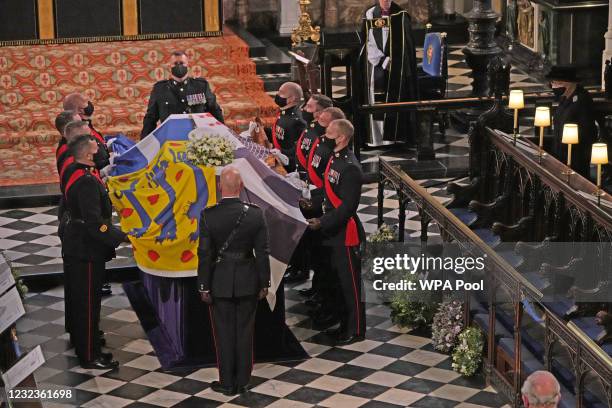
[(289, 111), (230, 199), (175, 82), (342, 153), (84, 166)]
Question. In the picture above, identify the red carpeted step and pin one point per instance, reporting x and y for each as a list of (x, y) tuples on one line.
[(118, 77)]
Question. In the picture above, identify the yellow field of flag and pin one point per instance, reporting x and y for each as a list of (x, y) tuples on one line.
[(160, 206)]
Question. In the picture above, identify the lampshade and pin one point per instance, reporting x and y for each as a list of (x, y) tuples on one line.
[(516, 100), (570, 134), (542, 116), (599, 153)]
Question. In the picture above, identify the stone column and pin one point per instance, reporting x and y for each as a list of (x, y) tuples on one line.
[(607, 54), (289, 14), (481, 47)]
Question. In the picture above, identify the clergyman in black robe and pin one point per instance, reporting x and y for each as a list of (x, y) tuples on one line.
[(391, 69)]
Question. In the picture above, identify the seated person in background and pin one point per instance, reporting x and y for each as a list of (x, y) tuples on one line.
[(541, 390), (575, 106), (83, 106), (179, 94)]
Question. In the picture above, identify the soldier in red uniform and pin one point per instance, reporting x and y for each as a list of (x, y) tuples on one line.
[(83, 106), (342, 231), (89, 242)]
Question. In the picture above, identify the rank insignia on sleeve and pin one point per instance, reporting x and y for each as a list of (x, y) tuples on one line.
[(103, 228)]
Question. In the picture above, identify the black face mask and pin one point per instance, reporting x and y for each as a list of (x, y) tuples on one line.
[(89, 109), (179, 70), (280, 101), (558, 92), (307, 116)]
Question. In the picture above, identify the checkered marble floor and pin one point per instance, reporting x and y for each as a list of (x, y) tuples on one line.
[(391, 368), (458, 76), (28, 237)]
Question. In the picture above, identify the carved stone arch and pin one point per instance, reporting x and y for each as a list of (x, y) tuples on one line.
[(577, 221)]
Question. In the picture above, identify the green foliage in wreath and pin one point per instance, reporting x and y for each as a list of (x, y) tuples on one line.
[(468, 353), (412, 309)]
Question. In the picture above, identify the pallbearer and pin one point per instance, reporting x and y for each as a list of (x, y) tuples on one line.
[(289, 124), (323, 293), (341, 228), (179, 94), (89, 242), (301, 261), (310, 113)]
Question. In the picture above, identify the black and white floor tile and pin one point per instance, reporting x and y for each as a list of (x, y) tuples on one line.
[(459, 81), (391, 368)]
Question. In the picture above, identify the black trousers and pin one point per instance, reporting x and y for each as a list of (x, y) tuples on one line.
[(346, 262), (67, 298), (84, 285), (233, 323)]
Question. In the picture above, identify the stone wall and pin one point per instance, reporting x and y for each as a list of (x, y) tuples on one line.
[(263, 14)]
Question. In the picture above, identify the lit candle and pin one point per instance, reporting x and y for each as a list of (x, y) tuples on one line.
[(599, 156), (516, 102), (570, 137), (542, 119)]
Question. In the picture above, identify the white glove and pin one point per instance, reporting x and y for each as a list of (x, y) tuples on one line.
[(283, 159), (294, 175), (105, 172), (306, 193), (252, 126)]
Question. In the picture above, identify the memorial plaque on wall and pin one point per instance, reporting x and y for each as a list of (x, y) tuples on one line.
[(170, 16), (87, 18), (18, 20)]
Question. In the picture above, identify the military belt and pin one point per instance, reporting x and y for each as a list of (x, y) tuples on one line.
[(237, 256)]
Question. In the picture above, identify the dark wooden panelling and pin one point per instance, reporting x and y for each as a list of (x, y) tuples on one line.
[(170, 16), (17, 20), (87, 18)]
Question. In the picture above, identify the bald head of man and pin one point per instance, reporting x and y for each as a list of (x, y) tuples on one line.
[(77, 102), (541, 390), (231, 182), (291, 94)]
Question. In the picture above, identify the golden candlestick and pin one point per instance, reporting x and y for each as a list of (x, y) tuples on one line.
[(599, 156), (516, 102), (542, 120), (570, 137), (305, 31)]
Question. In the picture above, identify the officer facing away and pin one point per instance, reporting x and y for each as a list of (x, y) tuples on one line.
[(233, 274)]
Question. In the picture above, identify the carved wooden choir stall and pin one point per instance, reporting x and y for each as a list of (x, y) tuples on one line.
[(547, 301)]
